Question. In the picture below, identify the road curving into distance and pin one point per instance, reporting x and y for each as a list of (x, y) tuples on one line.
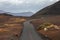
[(29, 33)]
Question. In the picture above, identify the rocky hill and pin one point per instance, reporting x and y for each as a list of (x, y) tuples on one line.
[(50, 10)]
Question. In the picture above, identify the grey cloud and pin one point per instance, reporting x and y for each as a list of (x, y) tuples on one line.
[(24, 7)]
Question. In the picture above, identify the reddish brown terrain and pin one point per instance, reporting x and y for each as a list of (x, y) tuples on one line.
[(11, 27), (54, 34)]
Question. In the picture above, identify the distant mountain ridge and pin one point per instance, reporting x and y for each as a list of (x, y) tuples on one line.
[(26, 14), (50, 10), (1, 11), (5, 14)]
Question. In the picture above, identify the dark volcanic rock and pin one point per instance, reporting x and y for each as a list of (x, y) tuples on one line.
[(50, 10)]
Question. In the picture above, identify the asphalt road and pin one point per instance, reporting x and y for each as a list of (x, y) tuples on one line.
[(29, 32)]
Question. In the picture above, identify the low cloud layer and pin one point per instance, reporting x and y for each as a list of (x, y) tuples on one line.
[(16, 6)]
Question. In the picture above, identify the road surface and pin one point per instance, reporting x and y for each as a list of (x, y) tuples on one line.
[(29, 32)]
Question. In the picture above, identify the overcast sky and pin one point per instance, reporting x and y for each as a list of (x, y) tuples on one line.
[(16, 6)]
